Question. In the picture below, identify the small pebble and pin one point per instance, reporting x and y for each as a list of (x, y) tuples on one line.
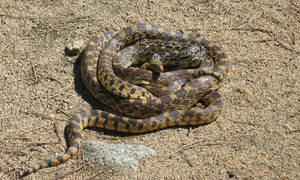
[(74, 48)]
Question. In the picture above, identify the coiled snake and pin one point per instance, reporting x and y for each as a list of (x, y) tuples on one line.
[(138, 109)]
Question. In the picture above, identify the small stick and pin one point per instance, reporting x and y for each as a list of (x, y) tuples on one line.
[(58, 133), (43, 115), (91, 177), (60, 91), (34, 72), (73, 171), (36, 143), (197, 142)]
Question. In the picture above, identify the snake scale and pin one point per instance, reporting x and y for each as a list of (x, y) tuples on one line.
[(138, 109)]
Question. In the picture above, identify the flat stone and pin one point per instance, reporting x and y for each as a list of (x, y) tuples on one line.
[(115, 155)]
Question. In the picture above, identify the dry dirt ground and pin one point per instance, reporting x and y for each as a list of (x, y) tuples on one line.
[(257, 135)]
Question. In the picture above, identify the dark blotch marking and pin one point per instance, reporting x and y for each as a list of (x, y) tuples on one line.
[(104, 114), (141, 27), (215, 95), (139, 88), (73, 126), (112, 76), (40, 165), (127, 126), (209, 110), (121, 87), (106, 54), (83, 116), (218, 104), (174, 114), (105, 77), (111, 46), (167, 32), (116, 124), (97, 120), (69, 152), (178, 35), (187, 113), (191, 37), (195, 75), (204, 42), (111, 82), (76, 119), (222, 55), (141, 126), (167, 119), (60, 159), (108, 71), (133, 121), (160, 118), (143, 93), (165, 99), (33, 169), (75, 145), (132, 91), (223, 63), (76, 135), (215, 48), (93, 113), (119, 81), (49, 162), (153, 124), (128, 31), (118, 38), (154, 29)]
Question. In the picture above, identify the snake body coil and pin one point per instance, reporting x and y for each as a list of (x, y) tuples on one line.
[(141, 110)]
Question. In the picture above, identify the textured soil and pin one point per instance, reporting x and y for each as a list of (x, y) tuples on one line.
[(257, 135)]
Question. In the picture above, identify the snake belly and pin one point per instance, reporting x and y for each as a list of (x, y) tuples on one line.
[(138, 110)]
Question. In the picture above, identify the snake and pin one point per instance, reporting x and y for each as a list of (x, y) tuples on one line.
[(135, 108), (170, 53)]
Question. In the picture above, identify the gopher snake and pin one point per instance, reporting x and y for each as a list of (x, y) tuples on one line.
[(143, 111)]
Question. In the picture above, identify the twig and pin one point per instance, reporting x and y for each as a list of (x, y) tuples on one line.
[(73, 171), (14, 152), (185, 157), (6, 46), (36, 143), (197, 142), (34, 72), (32, 130), (110, 171), (58, 133), (248, 123), (64, 112), (43, 115), (251, 18), (271, 33), (60, 91), (246, 95), (92, 176), (252, 29), (22, 138), (14, 17)]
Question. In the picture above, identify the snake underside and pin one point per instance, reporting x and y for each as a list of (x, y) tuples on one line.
[(144, 86)]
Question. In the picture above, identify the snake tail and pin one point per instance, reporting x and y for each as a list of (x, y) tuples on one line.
[(103, 119)]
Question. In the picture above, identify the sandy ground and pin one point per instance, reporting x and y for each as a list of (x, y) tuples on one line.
[(257, 135)]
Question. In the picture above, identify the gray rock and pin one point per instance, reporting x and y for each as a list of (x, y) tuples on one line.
[(115, 155)]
